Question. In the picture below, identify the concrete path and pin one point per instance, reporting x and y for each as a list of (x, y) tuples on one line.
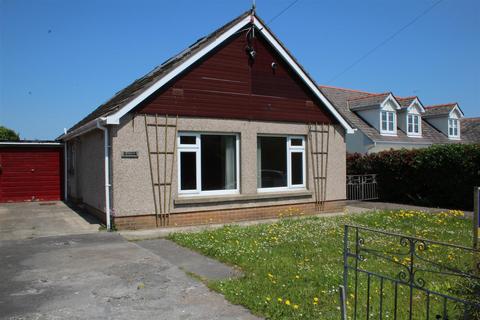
[(100, 276), (39, 219), (189, 260)]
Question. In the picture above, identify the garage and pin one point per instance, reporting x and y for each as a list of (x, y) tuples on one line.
[(31, 171)]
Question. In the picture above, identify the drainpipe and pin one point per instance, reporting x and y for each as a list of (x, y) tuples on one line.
[(107, 172)]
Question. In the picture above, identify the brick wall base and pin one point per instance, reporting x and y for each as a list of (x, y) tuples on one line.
[(225, 216)]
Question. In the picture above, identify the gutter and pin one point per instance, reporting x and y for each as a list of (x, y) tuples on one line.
[(89, 126), (29, 143), (106, 147), (405, 142)]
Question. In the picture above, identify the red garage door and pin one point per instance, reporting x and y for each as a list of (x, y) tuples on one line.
[(30, 173)]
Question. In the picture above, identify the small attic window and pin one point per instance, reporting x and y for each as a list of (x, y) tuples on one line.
[(388, 122), (413, 124), (453, 129)]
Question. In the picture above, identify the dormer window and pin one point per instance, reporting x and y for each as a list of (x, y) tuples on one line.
[(453, 131), (446, 119), (388, 122), (413, 124)]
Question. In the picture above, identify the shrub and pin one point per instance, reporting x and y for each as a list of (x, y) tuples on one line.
[(8, 134), (438, 176)]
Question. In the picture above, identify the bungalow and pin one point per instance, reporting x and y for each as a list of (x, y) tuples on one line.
[(384, 121), (231, 128)]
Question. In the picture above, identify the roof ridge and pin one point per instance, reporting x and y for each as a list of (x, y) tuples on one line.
[(440, 105), (345, 89), (404, 98)]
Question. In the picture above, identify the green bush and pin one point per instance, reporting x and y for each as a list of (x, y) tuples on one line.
[(438, 176), (8, 134)]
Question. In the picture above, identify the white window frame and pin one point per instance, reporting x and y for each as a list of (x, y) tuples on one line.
[(454, 126), (410, 117), (394, 121), (197, 148), (290, 149)]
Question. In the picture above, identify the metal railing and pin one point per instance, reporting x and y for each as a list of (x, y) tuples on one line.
[(400, 277), (362, 187)]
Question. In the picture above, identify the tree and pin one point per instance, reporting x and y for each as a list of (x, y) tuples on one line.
[(8, 134)]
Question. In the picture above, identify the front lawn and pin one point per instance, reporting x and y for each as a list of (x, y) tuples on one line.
[(293, 267)]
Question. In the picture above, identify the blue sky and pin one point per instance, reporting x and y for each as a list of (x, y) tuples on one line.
[(59, 59)]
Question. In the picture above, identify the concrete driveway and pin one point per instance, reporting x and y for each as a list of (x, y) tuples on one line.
[(100, 276), (38, 219)]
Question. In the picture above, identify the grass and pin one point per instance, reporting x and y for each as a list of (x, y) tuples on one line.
[(293, 267)]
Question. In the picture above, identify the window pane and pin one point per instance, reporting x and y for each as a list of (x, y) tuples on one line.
[(296, 142), (272, 162), (187, 139), (297, 168), (218, 162), (188, 171), (384, 120), (390, 121)]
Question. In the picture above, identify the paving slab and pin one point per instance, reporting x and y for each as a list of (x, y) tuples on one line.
[(100, 276), (189, 260), (39, 219)]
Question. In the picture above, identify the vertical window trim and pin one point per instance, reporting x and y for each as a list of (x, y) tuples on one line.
[(197, 148), (290, 149)]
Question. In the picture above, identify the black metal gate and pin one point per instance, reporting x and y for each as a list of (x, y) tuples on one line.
[(393, 276)]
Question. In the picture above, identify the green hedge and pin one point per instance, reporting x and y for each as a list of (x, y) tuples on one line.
[(438, 176)]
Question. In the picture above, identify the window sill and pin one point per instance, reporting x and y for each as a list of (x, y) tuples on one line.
[(265, 196), (414, 135), (389, 134)]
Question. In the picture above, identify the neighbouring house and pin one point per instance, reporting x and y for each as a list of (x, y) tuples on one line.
[(384, 121), (232, 128), (470, 129)]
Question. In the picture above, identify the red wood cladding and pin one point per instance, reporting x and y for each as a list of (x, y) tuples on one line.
[(31, 174), (227, 84)]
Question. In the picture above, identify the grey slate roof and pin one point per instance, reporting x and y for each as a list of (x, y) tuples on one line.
[(470, 129), (137, 87), (406, 101), (373, 100), (439, 110), (341, 99)]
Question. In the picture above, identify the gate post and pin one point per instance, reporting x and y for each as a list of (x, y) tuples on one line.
[(476, 215), (345, 258), (343, 303)]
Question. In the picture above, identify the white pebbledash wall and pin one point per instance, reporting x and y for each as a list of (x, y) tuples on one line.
[(132, 188)]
